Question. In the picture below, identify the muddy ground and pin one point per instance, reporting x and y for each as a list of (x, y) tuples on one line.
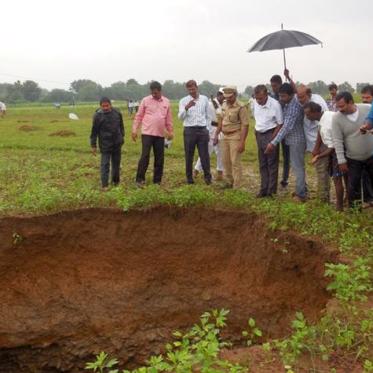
[(79, 282)]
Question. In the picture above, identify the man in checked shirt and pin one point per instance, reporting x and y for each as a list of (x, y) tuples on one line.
[(293, 133)]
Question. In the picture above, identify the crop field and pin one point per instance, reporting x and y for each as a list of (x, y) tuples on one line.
[(177, 278)]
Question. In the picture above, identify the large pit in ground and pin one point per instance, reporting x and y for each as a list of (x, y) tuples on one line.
[(78, 282)]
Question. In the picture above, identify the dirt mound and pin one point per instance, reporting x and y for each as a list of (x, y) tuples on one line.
[(28, 128), (63, 133), (75, 283)]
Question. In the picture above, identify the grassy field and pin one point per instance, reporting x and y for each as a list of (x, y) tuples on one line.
[(43, 172)]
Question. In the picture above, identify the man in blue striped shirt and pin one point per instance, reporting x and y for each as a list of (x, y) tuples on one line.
[(293, 133), (195, 113)]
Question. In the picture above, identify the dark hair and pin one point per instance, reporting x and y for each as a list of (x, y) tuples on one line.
[(367, 89), (191, 83), (260, 88), (276, 79), (332, 86), (314, 108), (286, 88), (219, 93), (155, 85), (105, 99), (346, 96)]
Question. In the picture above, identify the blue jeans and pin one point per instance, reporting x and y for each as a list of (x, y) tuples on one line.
[(297, 152)]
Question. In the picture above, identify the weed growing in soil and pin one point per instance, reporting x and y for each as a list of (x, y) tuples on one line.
[(197, 349)]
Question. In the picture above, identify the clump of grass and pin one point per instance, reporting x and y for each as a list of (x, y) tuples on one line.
[(63, 133), (28, 128)]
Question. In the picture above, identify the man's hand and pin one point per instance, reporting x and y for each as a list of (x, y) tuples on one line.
[(343, 168), (270, 148), (365, 128), (134, 135), (287, 74), (241, 147), (315, 152), (168, 135), (215, 140), (190, 104), (315, 158), (94, 150)]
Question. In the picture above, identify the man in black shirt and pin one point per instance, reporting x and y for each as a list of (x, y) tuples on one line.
[(108, 127)]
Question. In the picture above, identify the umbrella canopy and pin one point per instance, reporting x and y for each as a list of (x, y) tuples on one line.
[(283, 39)]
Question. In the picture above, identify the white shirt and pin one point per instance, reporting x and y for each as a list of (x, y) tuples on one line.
[(325, 128), (353, 117), (2, 106), (267, 116), (311, 127), (197, 115)]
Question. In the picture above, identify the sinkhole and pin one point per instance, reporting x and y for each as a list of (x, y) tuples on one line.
[(79, 282)]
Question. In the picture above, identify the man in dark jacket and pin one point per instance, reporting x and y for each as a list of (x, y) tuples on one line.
[(108, 127)]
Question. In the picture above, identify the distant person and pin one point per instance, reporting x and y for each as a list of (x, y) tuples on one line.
[(331, 102), (276, 83), (215, 109), (136, 106), (268, 117), (293, 133), (233, 122), (109, 129), (2, 109), (354, 149), (367, 94), (130, 107), (367, 98), (324, 154), (194, 112), (155, 119)]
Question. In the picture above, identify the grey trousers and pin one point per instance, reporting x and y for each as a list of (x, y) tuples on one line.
[(268, 164)]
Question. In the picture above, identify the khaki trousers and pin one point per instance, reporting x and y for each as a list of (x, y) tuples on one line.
[(323, 179), (232, 160)]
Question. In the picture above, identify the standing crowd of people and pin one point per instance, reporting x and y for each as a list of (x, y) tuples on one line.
[(337, 133)]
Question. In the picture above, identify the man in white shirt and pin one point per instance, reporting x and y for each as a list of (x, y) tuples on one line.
[(195, 113), (215, 109), (268, 117), (2, 109), (323, 152), (305, 95)]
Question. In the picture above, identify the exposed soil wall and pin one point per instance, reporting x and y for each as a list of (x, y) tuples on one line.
[(78, 282)]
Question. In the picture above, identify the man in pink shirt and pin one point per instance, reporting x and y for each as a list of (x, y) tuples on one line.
[(155, 119)]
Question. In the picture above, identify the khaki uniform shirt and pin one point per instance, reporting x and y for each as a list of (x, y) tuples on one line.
[(234, 118)]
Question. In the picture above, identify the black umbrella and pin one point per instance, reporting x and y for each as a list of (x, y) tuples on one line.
[(283, 39)]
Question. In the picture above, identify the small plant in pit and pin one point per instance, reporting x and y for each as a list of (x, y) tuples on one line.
[(252, 333), (197, 349)]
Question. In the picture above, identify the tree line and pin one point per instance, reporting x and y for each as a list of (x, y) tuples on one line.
[(85, 90)]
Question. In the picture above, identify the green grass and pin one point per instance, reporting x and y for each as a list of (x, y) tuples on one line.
[(42, 174)]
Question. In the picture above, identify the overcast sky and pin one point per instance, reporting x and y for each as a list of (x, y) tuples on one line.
[(55, 43)]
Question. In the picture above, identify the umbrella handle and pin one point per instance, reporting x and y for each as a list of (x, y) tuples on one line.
[(284, 56)]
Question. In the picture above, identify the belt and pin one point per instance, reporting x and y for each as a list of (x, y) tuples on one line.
[(230, 132), (195, 127), (262, 133)]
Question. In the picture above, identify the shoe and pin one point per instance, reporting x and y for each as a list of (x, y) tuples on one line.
[(208, 181), (219, 176), (105, 188), (284, 183), (227, 186), (140, 184), (190, 181), (296, 198), (261, 195), (195, 173)]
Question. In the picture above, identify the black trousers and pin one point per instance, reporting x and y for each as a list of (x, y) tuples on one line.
[(268, 164), (355, 172), (149, 142), (197, 137), (114, 157), (286, 162)]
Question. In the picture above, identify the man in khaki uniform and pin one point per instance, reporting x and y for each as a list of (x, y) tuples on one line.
[(233, 122)]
